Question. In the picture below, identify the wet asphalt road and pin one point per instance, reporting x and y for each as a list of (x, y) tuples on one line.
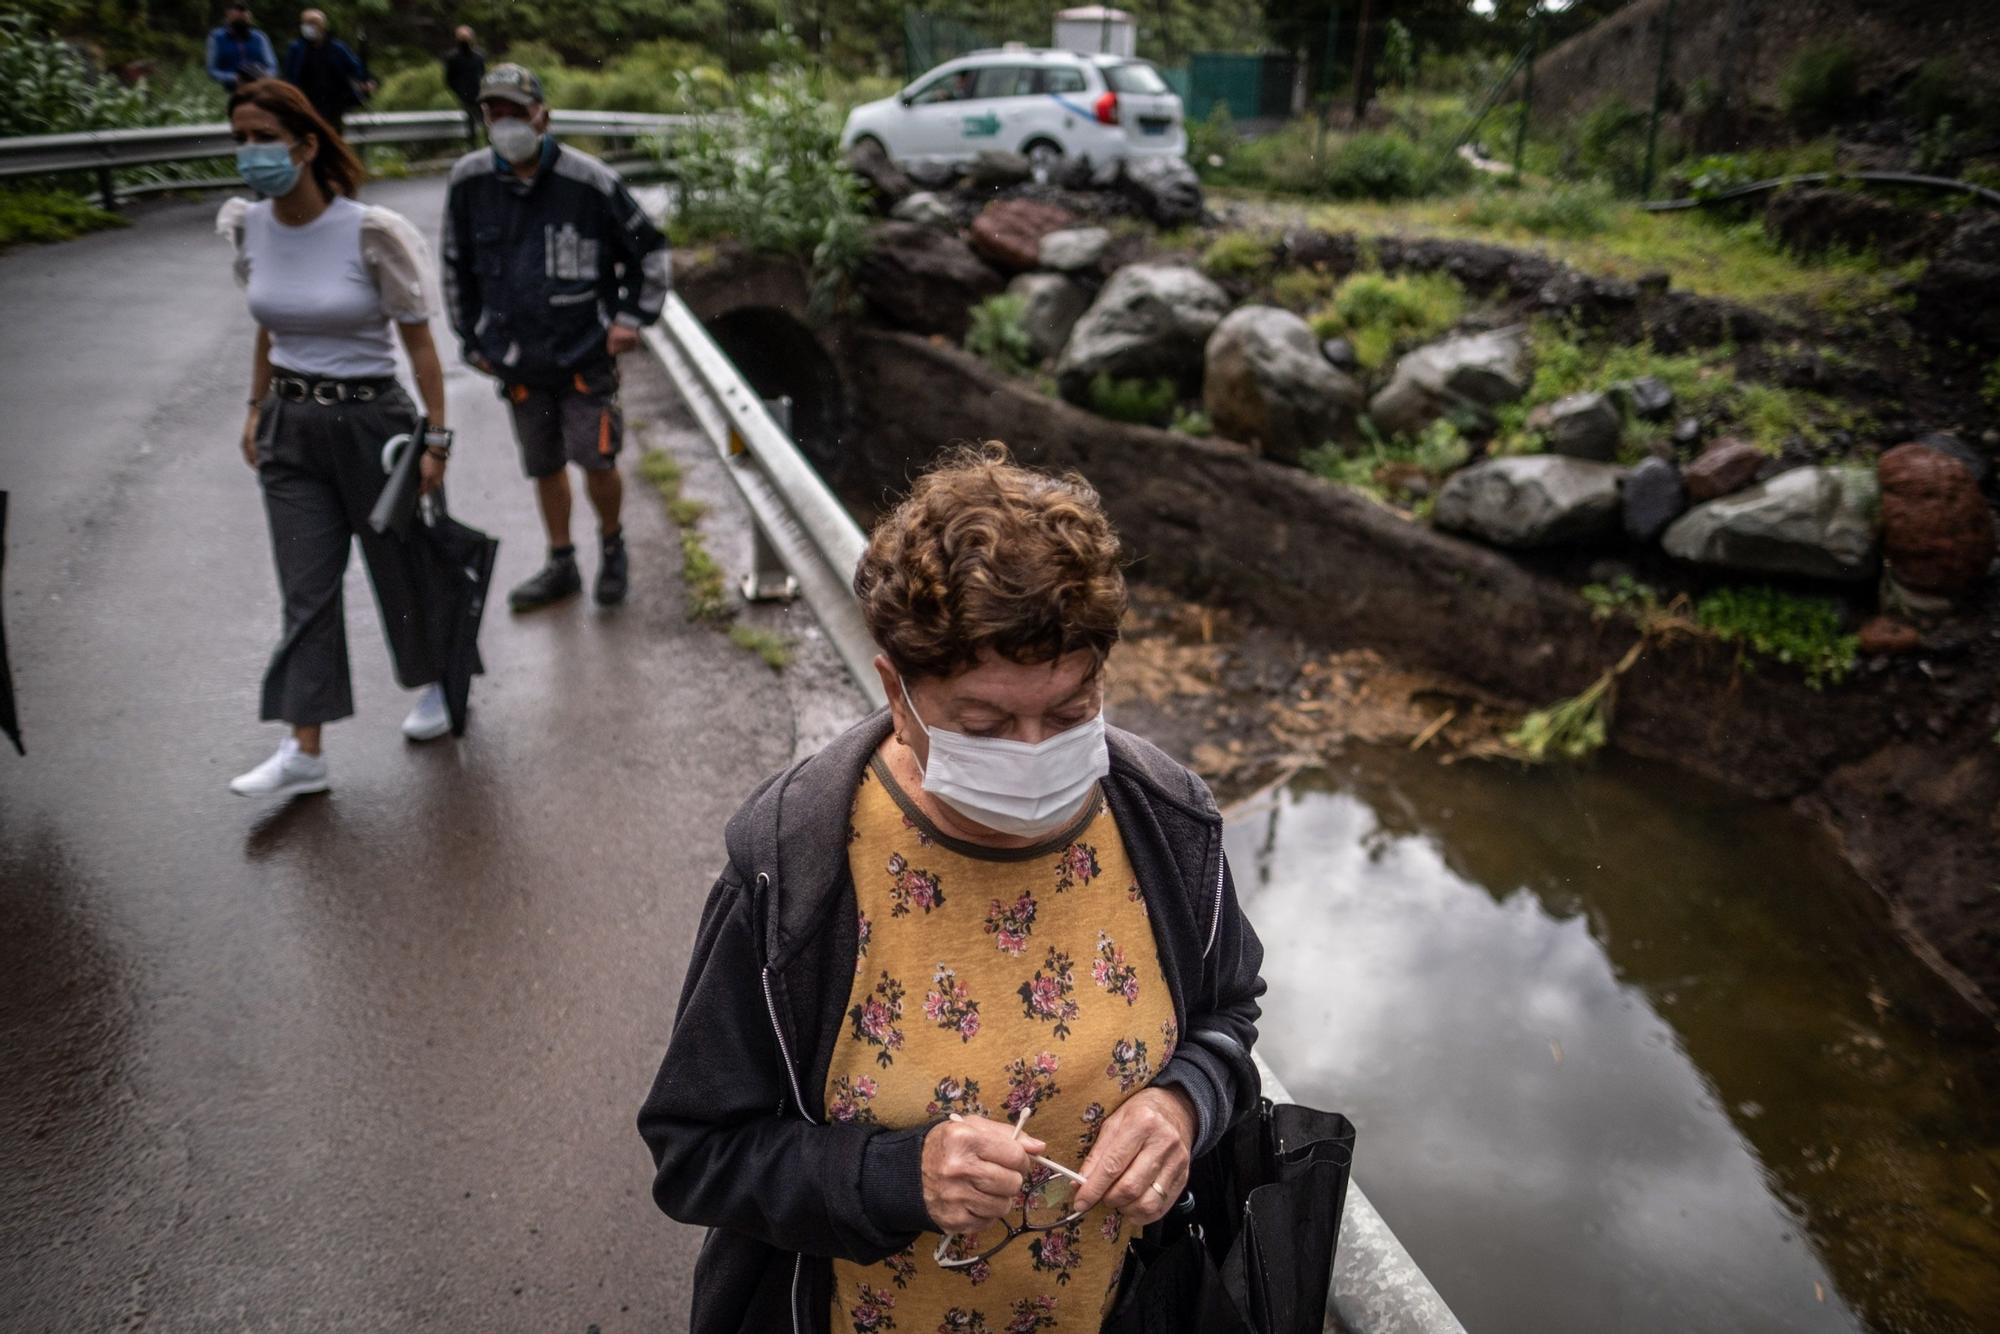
[(367, 1061)]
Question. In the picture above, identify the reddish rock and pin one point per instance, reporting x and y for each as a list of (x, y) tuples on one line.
[(1725, 466), (1937, 532), (1009, 232), (1886, 634)]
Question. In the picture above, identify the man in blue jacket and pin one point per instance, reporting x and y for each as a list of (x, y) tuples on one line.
[(550, 271), (238, 51), (323, 67)]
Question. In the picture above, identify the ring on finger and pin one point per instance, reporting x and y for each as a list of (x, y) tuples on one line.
[(1159, 1190)]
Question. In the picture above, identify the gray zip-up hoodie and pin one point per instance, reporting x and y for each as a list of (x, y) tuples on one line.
[(736, 1119)]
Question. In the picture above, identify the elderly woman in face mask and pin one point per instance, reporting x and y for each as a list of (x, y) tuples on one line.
[(973, 988)]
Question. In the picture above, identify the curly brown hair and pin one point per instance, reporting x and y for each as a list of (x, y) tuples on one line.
[(985, 555), (333, 163)]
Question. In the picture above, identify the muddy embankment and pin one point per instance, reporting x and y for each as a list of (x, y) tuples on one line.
[(1901, 765)]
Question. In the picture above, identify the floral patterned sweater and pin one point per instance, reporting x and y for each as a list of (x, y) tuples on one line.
[(986, 982)]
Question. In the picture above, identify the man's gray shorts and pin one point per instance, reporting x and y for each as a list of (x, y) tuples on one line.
[(578, 422)]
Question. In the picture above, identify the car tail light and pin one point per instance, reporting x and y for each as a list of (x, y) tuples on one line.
[(1107, 109)]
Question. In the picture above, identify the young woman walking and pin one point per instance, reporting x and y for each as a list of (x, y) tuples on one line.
[(326, 277)]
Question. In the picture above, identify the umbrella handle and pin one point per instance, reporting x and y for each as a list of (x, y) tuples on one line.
[(392, 449)]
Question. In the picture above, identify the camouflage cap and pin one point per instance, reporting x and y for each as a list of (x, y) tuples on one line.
[(511, 83)]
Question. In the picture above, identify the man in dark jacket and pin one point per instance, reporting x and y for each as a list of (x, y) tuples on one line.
[(322, 67), (736, 1119), (464, 67), (550, 271), (238, 51)]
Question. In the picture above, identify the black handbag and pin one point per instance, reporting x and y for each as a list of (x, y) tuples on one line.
[(1248, 1249)]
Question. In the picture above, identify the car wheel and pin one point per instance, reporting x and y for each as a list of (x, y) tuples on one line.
[(862, 141), (1044, 157)]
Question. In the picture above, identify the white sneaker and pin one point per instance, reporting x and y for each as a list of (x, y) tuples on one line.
[(430, 719), (289, 773)]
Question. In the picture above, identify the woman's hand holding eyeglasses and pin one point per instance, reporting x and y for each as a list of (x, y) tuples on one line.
[(973, 1169), (1140, 1162)]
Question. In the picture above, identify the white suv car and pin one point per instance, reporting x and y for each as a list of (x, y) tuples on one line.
[(1044, 105)]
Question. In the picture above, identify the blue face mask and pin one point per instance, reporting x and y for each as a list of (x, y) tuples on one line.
[(267, 168)]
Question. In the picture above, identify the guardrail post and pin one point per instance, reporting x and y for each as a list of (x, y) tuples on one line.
[(768, 580), (107, 189)]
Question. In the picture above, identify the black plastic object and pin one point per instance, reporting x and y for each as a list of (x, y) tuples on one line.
[(396, 508), (1249, 1247), (9, 723), (454, 577)]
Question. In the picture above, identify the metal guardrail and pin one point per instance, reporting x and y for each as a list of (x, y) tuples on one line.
[(104, 151), (1377, 1287)]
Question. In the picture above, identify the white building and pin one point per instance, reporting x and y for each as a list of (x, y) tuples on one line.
[(1097, 30)]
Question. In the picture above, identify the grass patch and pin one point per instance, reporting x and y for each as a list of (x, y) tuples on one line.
[(1302, 289), (1384, 469), (1143, 402), (39, 216), (997, 335), (1710, 256), (1989, 387), (707, 591), (1237, 255), (1191, 421), (1805, 632), (1704, 384), (774, 649), (1563, 210), (1379, 313)]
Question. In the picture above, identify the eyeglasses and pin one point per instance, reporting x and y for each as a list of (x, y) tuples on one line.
[(1047, 1202)]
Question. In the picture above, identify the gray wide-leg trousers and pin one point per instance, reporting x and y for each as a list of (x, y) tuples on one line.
[(320, 465)]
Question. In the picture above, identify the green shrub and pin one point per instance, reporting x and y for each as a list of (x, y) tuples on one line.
[(1609, 145), (1212, 141), (1302, 289), (1380, 314), (35, 216), (1802, 631), (997, 336), (1236, 255), (1989, 385), (1564, 210), (1191, 421), (1390, 166), (1822, 84), (773, 179), (1144, 402), (414, 88)]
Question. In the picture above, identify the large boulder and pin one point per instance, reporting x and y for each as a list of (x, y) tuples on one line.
[(1725, 466), (1585, 426), (1051, 305), (1818, 523), (1958, 296), (1264, 382), (1653, 497), (1473, 371), (996, 169), (1937, 531), (1151, 320), (1008, 232), (886, 181), (926, 207), (923, 279), (1537, 500), (1074, 250), (1165, 188)]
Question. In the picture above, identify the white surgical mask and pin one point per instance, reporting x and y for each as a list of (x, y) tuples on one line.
[(1029, 791), (309, 31), (515, 140)]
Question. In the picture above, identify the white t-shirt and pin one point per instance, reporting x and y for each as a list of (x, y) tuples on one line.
[(327, 291)]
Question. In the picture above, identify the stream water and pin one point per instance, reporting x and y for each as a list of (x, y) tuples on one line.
[(1626, 1052)]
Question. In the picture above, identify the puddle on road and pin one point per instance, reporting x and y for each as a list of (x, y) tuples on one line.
[(1626, 1052)]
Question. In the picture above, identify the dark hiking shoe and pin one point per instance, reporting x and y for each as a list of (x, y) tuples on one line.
[(611, 573), (550, 584)]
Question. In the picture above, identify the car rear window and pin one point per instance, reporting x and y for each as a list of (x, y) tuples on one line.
[(1134, 79), (1062, 80), (1005, 81)]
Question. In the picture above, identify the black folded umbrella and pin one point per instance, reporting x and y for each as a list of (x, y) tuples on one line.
[(1249, 1248), (455, 570), (396, 507), (9, 724)]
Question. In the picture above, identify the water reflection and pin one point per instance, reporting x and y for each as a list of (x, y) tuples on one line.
[(1625, 1052)]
